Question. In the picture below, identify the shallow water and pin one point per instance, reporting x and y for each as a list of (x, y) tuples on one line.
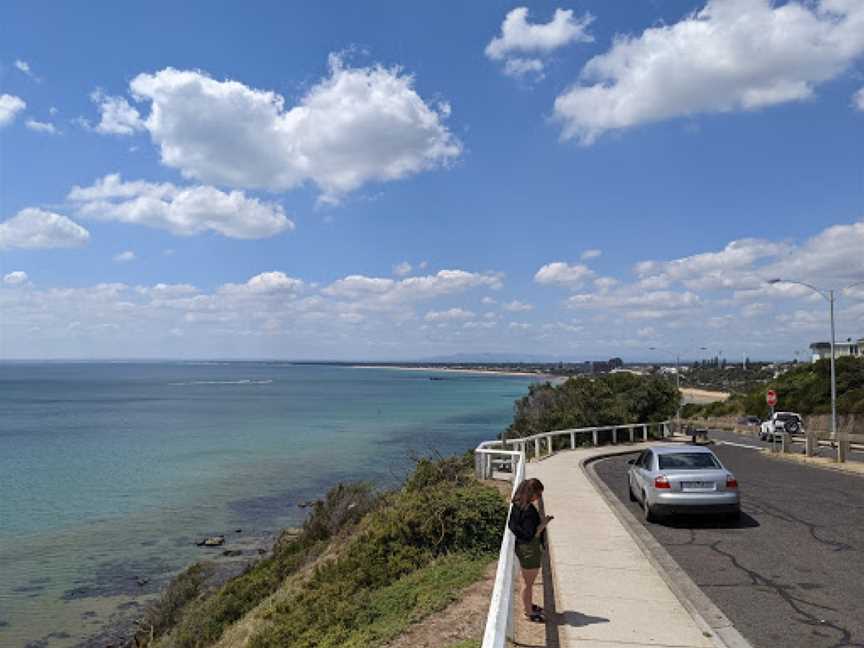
[(110, 472)]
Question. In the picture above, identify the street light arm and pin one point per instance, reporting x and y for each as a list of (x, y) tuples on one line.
[(802, 283), (852, 285)]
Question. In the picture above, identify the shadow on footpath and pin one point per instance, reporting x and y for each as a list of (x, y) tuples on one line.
[(577, 619)]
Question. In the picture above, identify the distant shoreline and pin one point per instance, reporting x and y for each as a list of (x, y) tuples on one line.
[(493, 372)]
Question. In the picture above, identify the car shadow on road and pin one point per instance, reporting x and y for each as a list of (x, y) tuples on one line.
[(709, 522)]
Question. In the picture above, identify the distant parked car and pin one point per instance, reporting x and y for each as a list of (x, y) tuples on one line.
[(749, 421), (780, 423), (682, 479)]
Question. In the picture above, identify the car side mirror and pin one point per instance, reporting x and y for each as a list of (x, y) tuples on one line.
[(631, 461)]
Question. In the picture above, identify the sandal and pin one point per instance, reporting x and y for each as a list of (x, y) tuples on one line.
[(536, 617)]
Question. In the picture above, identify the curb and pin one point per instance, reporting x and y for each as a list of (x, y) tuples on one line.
[(708, 617)]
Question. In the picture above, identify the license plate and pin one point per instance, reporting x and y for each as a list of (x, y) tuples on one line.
[(697, 485)]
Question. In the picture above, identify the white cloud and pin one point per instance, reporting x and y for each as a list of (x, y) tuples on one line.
[(488, 301), (10, 106), (181, 210), (381, 293), (563, 274), (605, 284), (516, 306), (858, 99), (33, 228), (835, 255), (644, 303), (41, 127), (402, 269), (732, 267), (167, 291), (590, 254), (24, 67), (358, 125), (730, 55), (266, 283), (16, 278), (124, 257), (449, 315), (519, 68), (117, 116), (520, 37)]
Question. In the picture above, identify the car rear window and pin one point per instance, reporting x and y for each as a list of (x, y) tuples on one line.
[(688, 461)]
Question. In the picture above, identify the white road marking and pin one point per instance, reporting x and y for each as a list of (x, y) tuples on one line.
[(738, 445)]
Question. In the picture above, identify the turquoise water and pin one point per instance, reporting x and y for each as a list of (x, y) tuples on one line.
[(109, 472)]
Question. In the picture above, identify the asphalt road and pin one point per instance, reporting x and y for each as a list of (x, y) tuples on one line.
[(790, 573), (824, 451)]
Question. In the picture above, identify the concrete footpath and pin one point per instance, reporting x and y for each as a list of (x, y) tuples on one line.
[(607, 593)]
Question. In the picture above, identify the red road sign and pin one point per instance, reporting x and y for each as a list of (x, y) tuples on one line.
[(771, 398)]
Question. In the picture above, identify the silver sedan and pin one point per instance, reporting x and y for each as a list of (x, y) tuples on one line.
[(682, 479)]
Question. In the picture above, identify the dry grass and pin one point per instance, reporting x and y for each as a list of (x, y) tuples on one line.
[(850, 467)]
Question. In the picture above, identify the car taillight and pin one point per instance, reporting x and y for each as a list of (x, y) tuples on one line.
[(731, 482), (661, 482)]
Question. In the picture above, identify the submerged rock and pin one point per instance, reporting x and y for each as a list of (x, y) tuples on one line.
[(214, 541)]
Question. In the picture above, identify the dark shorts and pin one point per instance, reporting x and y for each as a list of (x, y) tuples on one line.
[(530, 554)]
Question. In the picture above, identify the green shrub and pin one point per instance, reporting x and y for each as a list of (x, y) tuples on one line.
[(412, 550), (164, 614), (611, 399), (197, 623), (416, 528), (807, 389)]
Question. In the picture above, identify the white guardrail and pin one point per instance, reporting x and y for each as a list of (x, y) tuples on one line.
[(510, 463)]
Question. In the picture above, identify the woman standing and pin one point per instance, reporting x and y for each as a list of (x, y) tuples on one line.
[(526, 525)]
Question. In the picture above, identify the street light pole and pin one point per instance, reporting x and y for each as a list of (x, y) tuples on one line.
[(678, 389), (841, 447), (829, 295)]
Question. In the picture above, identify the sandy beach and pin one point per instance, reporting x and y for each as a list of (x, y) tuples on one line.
[(702, 396)]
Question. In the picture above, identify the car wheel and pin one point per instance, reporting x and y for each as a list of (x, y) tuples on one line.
[(648, 510), (630, 490)]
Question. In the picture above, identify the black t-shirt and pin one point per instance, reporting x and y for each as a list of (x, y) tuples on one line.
[(523, 523)]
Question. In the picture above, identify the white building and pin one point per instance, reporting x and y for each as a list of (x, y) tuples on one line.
[(821, 350)]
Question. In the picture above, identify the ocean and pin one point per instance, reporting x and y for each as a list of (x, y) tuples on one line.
[(110, 472)]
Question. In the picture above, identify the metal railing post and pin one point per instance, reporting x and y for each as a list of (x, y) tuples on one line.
[(614, 435), (632, 437), (572, 440), (594, 436), (537, 448), (644, 432)]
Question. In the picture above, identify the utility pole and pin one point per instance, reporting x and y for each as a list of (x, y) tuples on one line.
[(677, 356)]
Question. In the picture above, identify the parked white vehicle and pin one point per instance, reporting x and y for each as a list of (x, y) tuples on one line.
[(780, 423)]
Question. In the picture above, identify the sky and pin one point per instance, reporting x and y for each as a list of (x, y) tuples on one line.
[(362, 181)]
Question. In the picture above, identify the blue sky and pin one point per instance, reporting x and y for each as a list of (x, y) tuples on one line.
[(323, 180)]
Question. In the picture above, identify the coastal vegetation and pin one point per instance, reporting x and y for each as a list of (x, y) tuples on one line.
[(805, 389), (609, 399), (363, 568)]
